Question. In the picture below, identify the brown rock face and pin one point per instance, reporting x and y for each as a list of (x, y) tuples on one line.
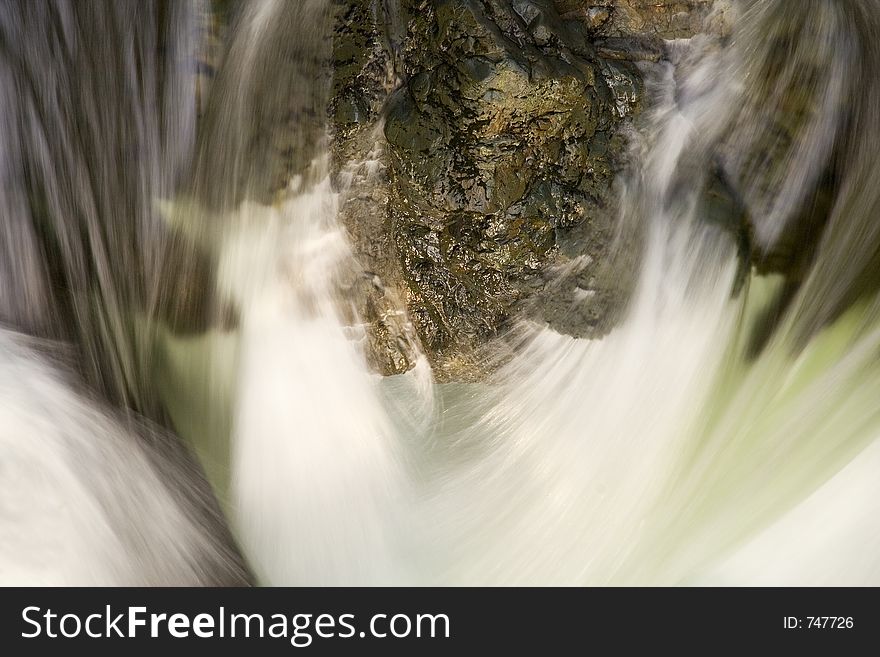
[(500, 143), (666, 19)]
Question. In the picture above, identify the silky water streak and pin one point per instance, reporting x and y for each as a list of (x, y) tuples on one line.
[(697, 442), (661, 454)]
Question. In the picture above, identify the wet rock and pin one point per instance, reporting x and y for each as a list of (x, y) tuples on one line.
[(636, 30), (490, 195), (665, 19), (474, 144), (503, 144), (634, 49), (365, 46)]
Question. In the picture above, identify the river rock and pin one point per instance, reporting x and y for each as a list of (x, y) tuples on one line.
[(501, 141), (494, 131)]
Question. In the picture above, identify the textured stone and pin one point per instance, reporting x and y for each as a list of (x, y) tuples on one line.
[(503, 146), (501, 130)]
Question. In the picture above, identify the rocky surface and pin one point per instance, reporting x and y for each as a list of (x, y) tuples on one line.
[(502, 140), (366, 49), (475, 143), (502, 135), (667, 19)]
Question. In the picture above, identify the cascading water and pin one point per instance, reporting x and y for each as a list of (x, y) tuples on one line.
[(96, 128), (713, 436)]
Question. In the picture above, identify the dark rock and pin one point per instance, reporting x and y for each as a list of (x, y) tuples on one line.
[(365, 46), (665, 19), (503, 140), (493, 193)]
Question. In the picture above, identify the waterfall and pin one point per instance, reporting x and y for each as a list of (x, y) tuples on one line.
[(668, 451), (98, 124), (184, 383)]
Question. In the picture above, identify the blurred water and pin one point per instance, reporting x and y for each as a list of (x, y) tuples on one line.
[(697, 442)]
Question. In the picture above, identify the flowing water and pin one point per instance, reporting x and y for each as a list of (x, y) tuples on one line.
[(161, 290)]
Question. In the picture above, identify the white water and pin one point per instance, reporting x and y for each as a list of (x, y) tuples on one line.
[(655, 455), (316, 477), (81, 503), (659, 454)]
